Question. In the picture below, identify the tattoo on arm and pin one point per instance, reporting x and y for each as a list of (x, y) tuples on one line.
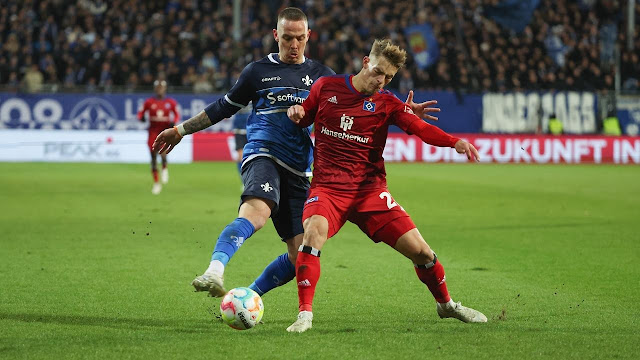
[(197, 123)]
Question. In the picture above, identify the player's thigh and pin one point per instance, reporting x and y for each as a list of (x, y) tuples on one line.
[(380, 217), (333, 206), (153, 134), (293, 193)]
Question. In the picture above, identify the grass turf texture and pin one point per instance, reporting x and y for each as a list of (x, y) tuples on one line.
[(94, 266)]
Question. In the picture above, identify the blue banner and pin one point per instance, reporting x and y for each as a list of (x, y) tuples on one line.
[(470, 113), (90, 112), (423, 45), (512, 14), (459, 114)]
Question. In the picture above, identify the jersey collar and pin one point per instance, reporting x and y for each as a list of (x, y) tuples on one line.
[(275, 58), (348, 80)]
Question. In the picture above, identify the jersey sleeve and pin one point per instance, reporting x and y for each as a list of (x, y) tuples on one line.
[(310, 105), (405, 119), (144, 109), (241, 93)]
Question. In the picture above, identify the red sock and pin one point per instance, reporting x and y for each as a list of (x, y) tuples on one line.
[(307, 275), (155, 175), (434, 278)]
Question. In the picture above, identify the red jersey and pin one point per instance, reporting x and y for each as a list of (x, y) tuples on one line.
[(160, 111), (351, 133)]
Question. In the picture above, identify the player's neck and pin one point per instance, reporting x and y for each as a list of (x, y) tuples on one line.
[(300, 60), (358, 84)]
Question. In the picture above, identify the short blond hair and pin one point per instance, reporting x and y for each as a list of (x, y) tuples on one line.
[(393, 53)]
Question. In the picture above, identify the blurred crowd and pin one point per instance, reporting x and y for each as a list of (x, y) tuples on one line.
[(92, 45)]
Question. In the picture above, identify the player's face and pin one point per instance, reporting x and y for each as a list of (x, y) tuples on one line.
[(378, 73), (292, 37), (160, 88)]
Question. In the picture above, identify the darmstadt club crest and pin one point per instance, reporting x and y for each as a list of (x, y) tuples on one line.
[(93, 114)]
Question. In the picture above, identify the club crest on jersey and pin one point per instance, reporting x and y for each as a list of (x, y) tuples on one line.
[(369, 106), (310, 200), (307, 80)]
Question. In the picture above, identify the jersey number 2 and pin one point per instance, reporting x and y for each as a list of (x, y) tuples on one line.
[(390, 203)]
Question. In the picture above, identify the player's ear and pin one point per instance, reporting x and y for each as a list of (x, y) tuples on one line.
[(275, 34), (365, 62)]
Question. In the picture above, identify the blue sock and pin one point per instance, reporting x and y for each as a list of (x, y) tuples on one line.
[(231, 238), (279, 272)]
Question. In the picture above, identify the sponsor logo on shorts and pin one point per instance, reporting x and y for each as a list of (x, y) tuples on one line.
[(310, 200)]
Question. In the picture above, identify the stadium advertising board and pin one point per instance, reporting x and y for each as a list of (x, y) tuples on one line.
[(81, 146), (528, 113), (492, 148), (90, 112)]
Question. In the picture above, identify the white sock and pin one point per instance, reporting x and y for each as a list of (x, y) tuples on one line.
[(215, 268)]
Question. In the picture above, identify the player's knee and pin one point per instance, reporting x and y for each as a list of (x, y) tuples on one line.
[(423, 255)]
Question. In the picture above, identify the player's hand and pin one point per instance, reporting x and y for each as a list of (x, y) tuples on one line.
[(166, 141), (422, 109), (463, 147), (295, 113)]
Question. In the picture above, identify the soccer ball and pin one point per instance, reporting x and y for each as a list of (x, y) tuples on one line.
[(241, 308)]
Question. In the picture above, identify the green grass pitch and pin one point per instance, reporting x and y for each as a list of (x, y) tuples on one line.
[(93, 266)]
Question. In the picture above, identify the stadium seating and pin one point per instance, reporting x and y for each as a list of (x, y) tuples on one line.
[(91, 45)]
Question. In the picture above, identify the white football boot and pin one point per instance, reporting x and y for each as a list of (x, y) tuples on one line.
[(460, 312), (210, 282), (164, 176), (305, 318), (157, 187)]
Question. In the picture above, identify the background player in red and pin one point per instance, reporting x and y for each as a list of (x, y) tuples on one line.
[(163, 114), (352, 115)]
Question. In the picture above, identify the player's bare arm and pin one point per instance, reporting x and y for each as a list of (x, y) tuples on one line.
[(422, 109), (296, 113), (169, 138), (464, 147)]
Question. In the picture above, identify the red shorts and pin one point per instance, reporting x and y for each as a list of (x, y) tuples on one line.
[(154, 131), (374, 211)]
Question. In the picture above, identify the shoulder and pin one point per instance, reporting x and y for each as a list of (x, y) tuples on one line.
[(332, 79), (389, 97), (322, 69), (391, 101)]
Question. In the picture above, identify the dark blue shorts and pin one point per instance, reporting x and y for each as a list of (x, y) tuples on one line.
[(264, 178)]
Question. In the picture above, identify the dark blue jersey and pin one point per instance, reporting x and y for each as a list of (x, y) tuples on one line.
[(273, 86)]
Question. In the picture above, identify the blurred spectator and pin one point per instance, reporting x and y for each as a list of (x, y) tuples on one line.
[(202, 85), (33, 79)]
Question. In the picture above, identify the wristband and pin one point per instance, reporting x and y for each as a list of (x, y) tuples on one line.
[(180, 129)]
